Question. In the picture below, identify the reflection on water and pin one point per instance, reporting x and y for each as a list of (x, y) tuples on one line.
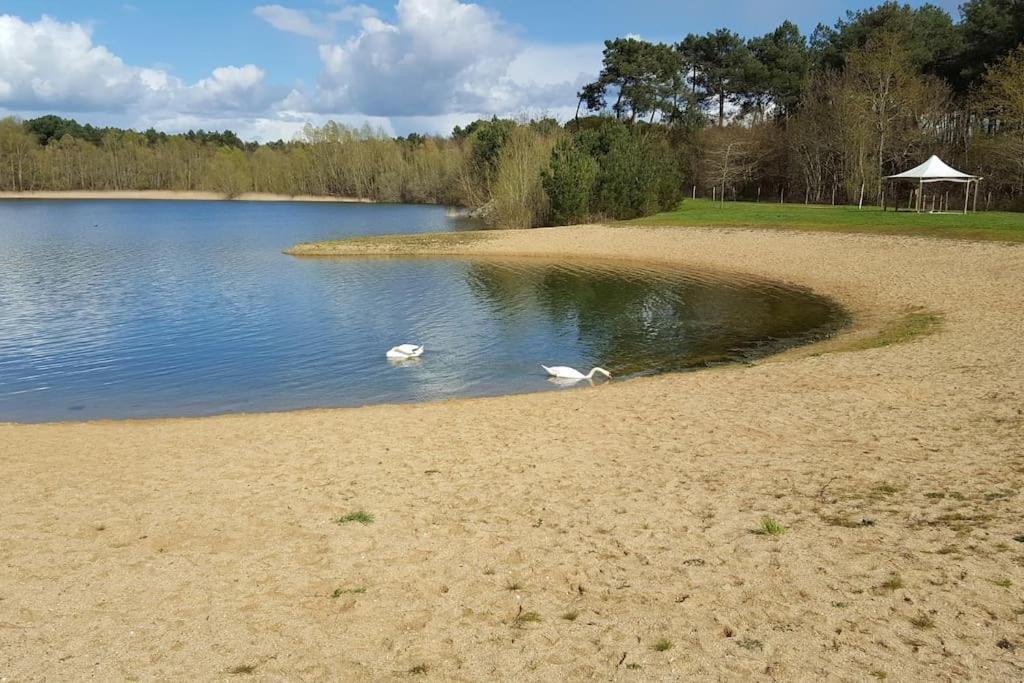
[(141, 309), (633, 320)]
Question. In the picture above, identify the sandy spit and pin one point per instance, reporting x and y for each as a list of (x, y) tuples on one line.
[(561, 536), (184, 196)]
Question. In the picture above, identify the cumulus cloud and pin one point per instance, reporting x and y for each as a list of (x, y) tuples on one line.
[(292, 21), (440, 57), (52, 65), (47, 63), (235, 88), (425, 66)]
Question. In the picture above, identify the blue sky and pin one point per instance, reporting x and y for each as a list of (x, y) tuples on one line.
[(265, 68)]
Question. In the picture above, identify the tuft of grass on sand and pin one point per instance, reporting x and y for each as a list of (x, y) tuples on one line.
[(514, 585), (884, 489), (571, 615), (662, 645), (521, 619), (922, 621), (848, 523), (338, 592), (360, 517), (769, 527), (894, 582), (241, 670), (419, 670), (750, 644), (1003, 583), (987, 225)]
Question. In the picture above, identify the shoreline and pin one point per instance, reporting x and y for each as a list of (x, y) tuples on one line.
[(613, 517), (174, 195)]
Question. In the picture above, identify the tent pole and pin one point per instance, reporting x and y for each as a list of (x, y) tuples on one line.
[(967, 196), (976, 183)]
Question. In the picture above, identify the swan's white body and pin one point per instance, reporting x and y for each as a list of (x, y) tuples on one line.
[(404, 352), (562, 372)]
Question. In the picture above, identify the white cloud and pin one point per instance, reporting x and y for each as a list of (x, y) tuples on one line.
[(353, 13), (52, 65), (556, 64), (444, 57), (230, 87), (429, 66), (292, 21), (317, 24), (48, 63)]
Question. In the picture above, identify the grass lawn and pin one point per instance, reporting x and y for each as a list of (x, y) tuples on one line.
[(985, 225)]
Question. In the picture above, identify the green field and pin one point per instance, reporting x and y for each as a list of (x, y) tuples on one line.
[(986, 225)]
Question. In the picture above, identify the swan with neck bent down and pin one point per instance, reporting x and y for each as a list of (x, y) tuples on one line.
[(404, 352), (562, 372)]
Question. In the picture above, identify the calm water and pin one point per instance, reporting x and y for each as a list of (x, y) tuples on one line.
[(140, 309)]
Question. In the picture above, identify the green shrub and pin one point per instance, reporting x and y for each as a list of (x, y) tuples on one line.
[(569, 182)]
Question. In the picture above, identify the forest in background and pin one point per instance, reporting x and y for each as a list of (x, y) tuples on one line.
[(781, 117)]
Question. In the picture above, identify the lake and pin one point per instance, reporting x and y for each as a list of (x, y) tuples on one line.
[(133, 309)]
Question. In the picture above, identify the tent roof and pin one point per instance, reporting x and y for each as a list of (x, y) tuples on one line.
[(934, 169)]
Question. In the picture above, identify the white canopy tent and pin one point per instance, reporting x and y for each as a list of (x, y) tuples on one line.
[(935, 170)]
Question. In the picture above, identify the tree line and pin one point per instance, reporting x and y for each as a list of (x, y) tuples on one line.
[(49, 154), (513, 173), (784, 116), (825, 117)]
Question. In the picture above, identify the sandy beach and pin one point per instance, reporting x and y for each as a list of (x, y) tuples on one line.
[(182, 196), (606, 533)]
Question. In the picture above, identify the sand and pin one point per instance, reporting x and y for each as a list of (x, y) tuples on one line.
[(174, 195), (560, 536)]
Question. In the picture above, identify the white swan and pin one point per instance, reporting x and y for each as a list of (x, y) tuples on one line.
[(562, 372), (405, 352)]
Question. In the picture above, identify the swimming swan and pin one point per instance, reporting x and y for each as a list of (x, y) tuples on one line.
[(404, 352), (562, 372)]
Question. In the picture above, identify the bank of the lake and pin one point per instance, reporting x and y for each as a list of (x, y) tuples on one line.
[(606, 532), (170, 195)]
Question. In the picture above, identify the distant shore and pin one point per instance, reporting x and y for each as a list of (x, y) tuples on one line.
[(180, 196)]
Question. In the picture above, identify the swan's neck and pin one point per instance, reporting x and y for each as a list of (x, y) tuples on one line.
[(594, 371)]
